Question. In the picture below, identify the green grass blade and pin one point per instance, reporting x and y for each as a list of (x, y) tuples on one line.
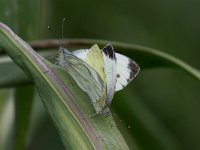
[(146, 57), (23, 104), (11, 75)]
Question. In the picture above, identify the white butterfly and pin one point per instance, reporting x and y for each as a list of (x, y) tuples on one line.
[(94, 67)]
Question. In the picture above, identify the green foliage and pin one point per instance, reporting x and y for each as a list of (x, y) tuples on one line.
[(161, 105)]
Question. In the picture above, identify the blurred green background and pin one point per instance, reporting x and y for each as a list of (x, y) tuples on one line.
[(161, 105)]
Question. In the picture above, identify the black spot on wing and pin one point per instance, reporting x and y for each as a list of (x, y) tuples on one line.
[(134, 68), (118, 75), (109, 51)]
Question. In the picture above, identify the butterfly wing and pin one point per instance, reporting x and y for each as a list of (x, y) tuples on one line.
[(84, 75), (127, 69), (110, 68), (104, 62), (115, 69), (94, 57)]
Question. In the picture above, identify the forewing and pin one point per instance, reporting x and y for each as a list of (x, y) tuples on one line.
[(127, 69), (94, 58), (81, 53), (110, 68), (84, 75)]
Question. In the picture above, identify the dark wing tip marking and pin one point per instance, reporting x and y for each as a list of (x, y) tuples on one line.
[(109, 51), (134, 68)]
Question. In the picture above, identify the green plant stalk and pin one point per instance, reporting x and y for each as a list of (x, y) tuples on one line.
[(68, 106), (146, 57)]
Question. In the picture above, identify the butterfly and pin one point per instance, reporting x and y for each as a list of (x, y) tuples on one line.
[(99, 72)]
